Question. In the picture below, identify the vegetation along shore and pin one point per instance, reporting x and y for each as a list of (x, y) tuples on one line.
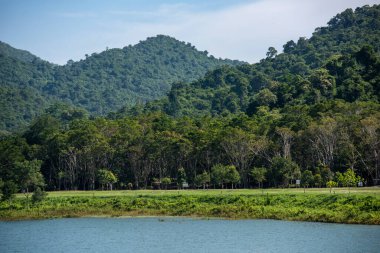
[(355, 206)]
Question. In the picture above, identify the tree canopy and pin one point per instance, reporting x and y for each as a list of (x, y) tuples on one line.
[(101, 83)]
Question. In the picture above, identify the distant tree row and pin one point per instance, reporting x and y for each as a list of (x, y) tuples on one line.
[(315, 144)]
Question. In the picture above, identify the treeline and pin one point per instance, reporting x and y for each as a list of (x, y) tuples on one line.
[(317, 144)]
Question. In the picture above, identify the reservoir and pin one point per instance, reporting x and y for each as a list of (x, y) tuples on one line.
[(184, 235)]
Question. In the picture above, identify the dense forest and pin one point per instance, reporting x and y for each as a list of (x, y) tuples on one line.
[(101, 83), (339, 61), (310, 113)]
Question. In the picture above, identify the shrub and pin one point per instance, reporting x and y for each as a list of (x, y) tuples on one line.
[(38, 195)]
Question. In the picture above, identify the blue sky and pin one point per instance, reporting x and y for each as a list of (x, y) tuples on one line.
[(59, 30)]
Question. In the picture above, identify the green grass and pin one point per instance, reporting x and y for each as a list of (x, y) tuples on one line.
[(213, 192), (361, 205)]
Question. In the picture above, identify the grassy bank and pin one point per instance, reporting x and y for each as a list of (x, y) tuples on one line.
[(361, 206)]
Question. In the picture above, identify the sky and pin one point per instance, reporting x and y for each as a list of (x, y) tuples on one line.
[(60, 30)]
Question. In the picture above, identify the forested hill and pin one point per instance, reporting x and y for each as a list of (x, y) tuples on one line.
[(101, 83), (339, 61), (22, 55), (310, 113)]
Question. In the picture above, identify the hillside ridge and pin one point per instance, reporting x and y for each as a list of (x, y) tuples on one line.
[(101, 83)]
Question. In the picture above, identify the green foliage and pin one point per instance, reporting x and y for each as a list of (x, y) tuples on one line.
[(232, 175), (221, 174), (38, 195), (218, 174), (102, 83), (202, 179), (264, 98), (259, 175), (272, 52), (8, 190), (307, 178), (315, 107), (350, 179), (330, 184), (138, 149), (339, 178), (339, 77), (106, 177), (325, 173), (166, 181), (341, 208), (181, 178), (318, 180), (30, 176), (284, 171), (335, 63)]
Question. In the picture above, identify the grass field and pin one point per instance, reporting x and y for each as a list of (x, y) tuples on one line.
[(215, 192), (343, 205)]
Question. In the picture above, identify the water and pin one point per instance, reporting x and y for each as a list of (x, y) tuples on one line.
[(184, 235)]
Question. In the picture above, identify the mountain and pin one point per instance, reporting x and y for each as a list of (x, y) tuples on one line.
[(309, 113), (22, 75), (22, 55), (101, 83), (339, 61)]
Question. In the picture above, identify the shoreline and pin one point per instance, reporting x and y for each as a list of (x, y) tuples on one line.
[(162, 217), (328, 208)]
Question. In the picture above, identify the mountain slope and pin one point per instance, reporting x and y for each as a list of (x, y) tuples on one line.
[(339, 61), (22, 75), (22, 55), (133, 74), (101, 83)]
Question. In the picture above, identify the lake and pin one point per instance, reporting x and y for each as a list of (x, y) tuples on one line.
[(184, 235)]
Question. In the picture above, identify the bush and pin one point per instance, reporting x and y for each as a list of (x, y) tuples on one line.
[(38, 195)]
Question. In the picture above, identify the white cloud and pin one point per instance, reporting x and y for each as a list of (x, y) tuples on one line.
[(78, 15), (241, 32), (245, 32)]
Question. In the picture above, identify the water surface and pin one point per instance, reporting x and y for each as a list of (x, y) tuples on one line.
[(184, 235)]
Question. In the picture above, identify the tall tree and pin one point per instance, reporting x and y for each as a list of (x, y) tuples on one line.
[(30, 177), (370, 136), (240, 148), (324, 140), (286, 135)]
